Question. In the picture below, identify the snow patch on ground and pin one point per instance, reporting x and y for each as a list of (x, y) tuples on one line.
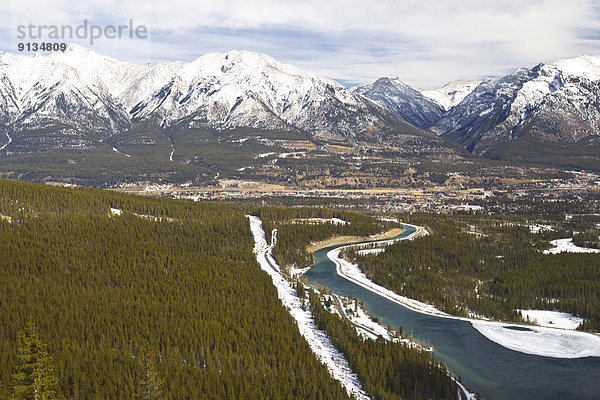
[(116, 211), (467, 207), (552, 319), (117, 151), (317, 339), (475, 233), (262, 155), (540, 228), (468, 395), (567, 246), (172, 149), (7, 143), (151, 188), (296, 154), (370, 251), (297, 272), (338, 221)]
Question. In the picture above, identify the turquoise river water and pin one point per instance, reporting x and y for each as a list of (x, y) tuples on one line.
[(486, 367)]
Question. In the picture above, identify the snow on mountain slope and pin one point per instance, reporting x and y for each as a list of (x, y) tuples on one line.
[(91, 68), (80, 92), (232, 89), (9, 104), (452, 93), (248, 89), (88, 92), (401, 99), (555, 102), (73, 89), (146, 81), (583, 66)]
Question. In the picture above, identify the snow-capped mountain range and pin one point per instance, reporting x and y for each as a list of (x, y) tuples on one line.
[(557, 102), (78, 98), (79, 91)]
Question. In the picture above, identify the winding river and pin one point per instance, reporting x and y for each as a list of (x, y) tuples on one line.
[(485, 366)]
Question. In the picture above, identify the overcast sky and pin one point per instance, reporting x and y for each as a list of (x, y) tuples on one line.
[(426, 43)]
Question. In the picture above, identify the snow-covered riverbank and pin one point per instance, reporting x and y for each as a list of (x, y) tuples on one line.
[(543, 341), (552, 319), (353, 273), (317, 339)]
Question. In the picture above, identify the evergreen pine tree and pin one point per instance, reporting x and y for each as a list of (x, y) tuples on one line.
[(33, 378)]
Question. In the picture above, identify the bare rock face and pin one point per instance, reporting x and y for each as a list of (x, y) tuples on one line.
[(402, 100)]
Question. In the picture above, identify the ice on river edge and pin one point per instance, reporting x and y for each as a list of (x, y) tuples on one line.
[(542, 341)]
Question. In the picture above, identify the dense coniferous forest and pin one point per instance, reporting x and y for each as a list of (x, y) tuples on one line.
[(589, 239), (388, 370), (489, 266), (180, 277), (137, 297)]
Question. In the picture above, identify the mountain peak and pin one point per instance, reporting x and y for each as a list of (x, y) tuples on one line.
[(453, 92), (587, 66), (247, 63), (398, 97), (76, 53)]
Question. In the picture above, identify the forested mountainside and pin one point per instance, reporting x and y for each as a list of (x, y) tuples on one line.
[(101, 285)]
